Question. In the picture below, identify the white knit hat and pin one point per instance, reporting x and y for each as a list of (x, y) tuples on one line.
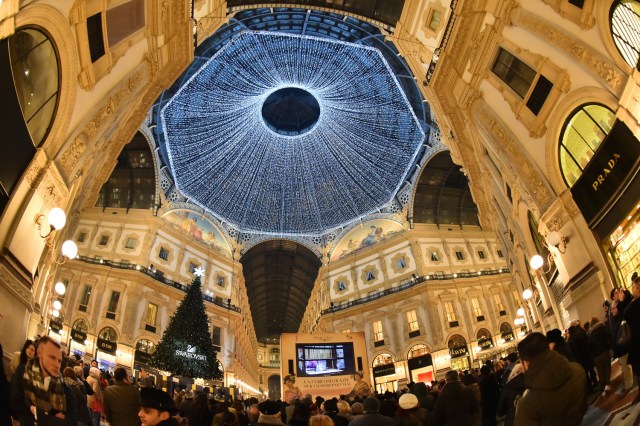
[(408, 401)]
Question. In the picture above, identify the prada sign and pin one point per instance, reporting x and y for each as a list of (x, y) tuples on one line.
[(485, 343), (605, 177), (107, 346), (78, 336), (384, 370), (458, 351)]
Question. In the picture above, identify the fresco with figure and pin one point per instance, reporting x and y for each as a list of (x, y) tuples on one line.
[(199, 228), (365, 235)]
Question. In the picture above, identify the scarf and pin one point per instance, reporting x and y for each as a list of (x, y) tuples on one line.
[(46, 399)]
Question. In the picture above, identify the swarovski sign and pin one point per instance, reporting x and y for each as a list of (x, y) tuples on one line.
[(191, 354)]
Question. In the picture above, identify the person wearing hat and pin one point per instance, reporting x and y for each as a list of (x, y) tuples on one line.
[(409, 411), (156, 408), (269, 413), (372, 416)]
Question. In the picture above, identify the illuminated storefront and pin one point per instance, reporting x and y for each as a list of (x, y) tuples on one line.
[(78, 338), (384, 374), (459, 353), (106, 348)]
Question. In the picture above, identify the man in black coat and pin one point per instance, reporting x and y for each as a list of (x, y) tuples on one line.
[(456, 404), (598, 345)]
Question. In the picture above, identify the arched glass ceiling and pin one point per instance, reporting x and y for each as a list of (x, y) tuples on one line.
[(279, 275), (365, 168), (443, 196)]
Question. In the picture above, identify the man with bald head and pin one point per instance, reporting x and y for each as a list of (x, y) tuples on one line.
[(38, 393)]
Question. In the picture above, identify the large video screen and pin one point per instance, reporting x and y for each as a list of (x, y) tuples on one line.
[(326, 359)]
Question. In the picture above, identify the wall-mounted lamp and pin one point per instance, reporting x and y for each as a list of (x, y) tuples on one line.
[(557, 240), (527, 294), (57, 219)]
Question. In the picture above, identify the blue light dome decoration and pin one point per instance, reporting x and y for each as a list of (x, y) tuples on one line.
[(290, 134)]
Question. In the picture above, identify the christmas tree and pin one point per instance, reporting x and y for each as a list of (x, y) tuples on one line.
[(186, 348)]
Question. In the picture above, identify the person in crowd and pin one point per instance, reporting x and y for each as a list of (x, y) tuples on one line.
[(80, 396), (28, 352), (96, 404), (357, 409), (86, 367), (372, 416), (80, 376), (199, 414), (344, 410), (512, 389), (489, 395), (38, 390), (145, 380), (425, 398), (621, 299), (559, 345), (598, 345), (512, 360), (470, 381), (578, 342), (410, 413), (388, 405), (156, 408), (556, 389), (184, 409), (253, 413), (361, 388), (331, 410), (121, 401), (632, 317), (456, 404), (320, 420), (269, 413), (301, 414)]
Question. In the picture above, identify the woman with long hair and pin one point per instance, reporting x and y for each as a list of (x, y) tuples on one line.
[(27, 353)]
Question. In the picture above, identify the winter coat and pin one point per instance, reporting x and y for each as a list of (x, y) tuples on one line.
[(556, 392), (599, 340), (373, 419), (632, 317), (121, 404), (507, 403), (417, 416), (425, 398), (456, 405)]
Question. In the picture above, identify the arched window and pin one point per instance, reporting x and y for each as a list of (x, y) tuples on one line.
[(383, 359), (34, 62), (418, 350), (108, 334), (456, 340), (146, 346), (584, 131), (483, 333), (80, 325), (505, 327), (625, 29), (274, 355)]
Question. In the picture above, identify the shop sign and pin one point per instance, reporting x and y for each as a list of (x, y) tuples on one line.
[(420, 361), (191, 354), (78, 336), (107, 346), (384, 370), (458, 351), (142, 357), (55, 326), (612, 164), (485, 343), (508, 335)]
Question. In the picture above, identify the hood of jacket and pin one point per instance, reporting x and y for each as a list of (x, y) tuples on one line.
[(419, 389), (548, 371)]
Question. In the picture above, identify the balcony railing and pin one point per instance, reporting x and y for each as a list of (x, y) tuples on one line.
[(218, 301), (409, 284)]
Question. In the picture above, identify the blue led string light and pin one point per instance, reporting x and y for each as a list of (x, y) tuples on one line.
[(227, 158)]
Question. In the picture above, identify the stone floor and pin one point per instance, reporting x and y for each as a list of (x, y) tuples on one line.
[(612, 409)]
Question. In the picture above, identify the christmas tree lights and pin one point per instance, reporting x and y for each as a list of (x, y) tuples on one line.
[(348, 162)]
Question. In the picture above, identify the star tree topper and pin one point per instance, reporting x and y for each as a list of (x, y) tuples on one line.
[(198, 272)]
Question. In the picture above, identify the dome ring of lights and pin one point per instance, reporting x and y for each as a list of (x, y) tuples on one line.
[(349, 163)]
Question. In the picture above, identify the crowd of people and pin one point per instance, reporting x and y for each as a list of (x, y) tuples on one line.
[(550, 380)]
